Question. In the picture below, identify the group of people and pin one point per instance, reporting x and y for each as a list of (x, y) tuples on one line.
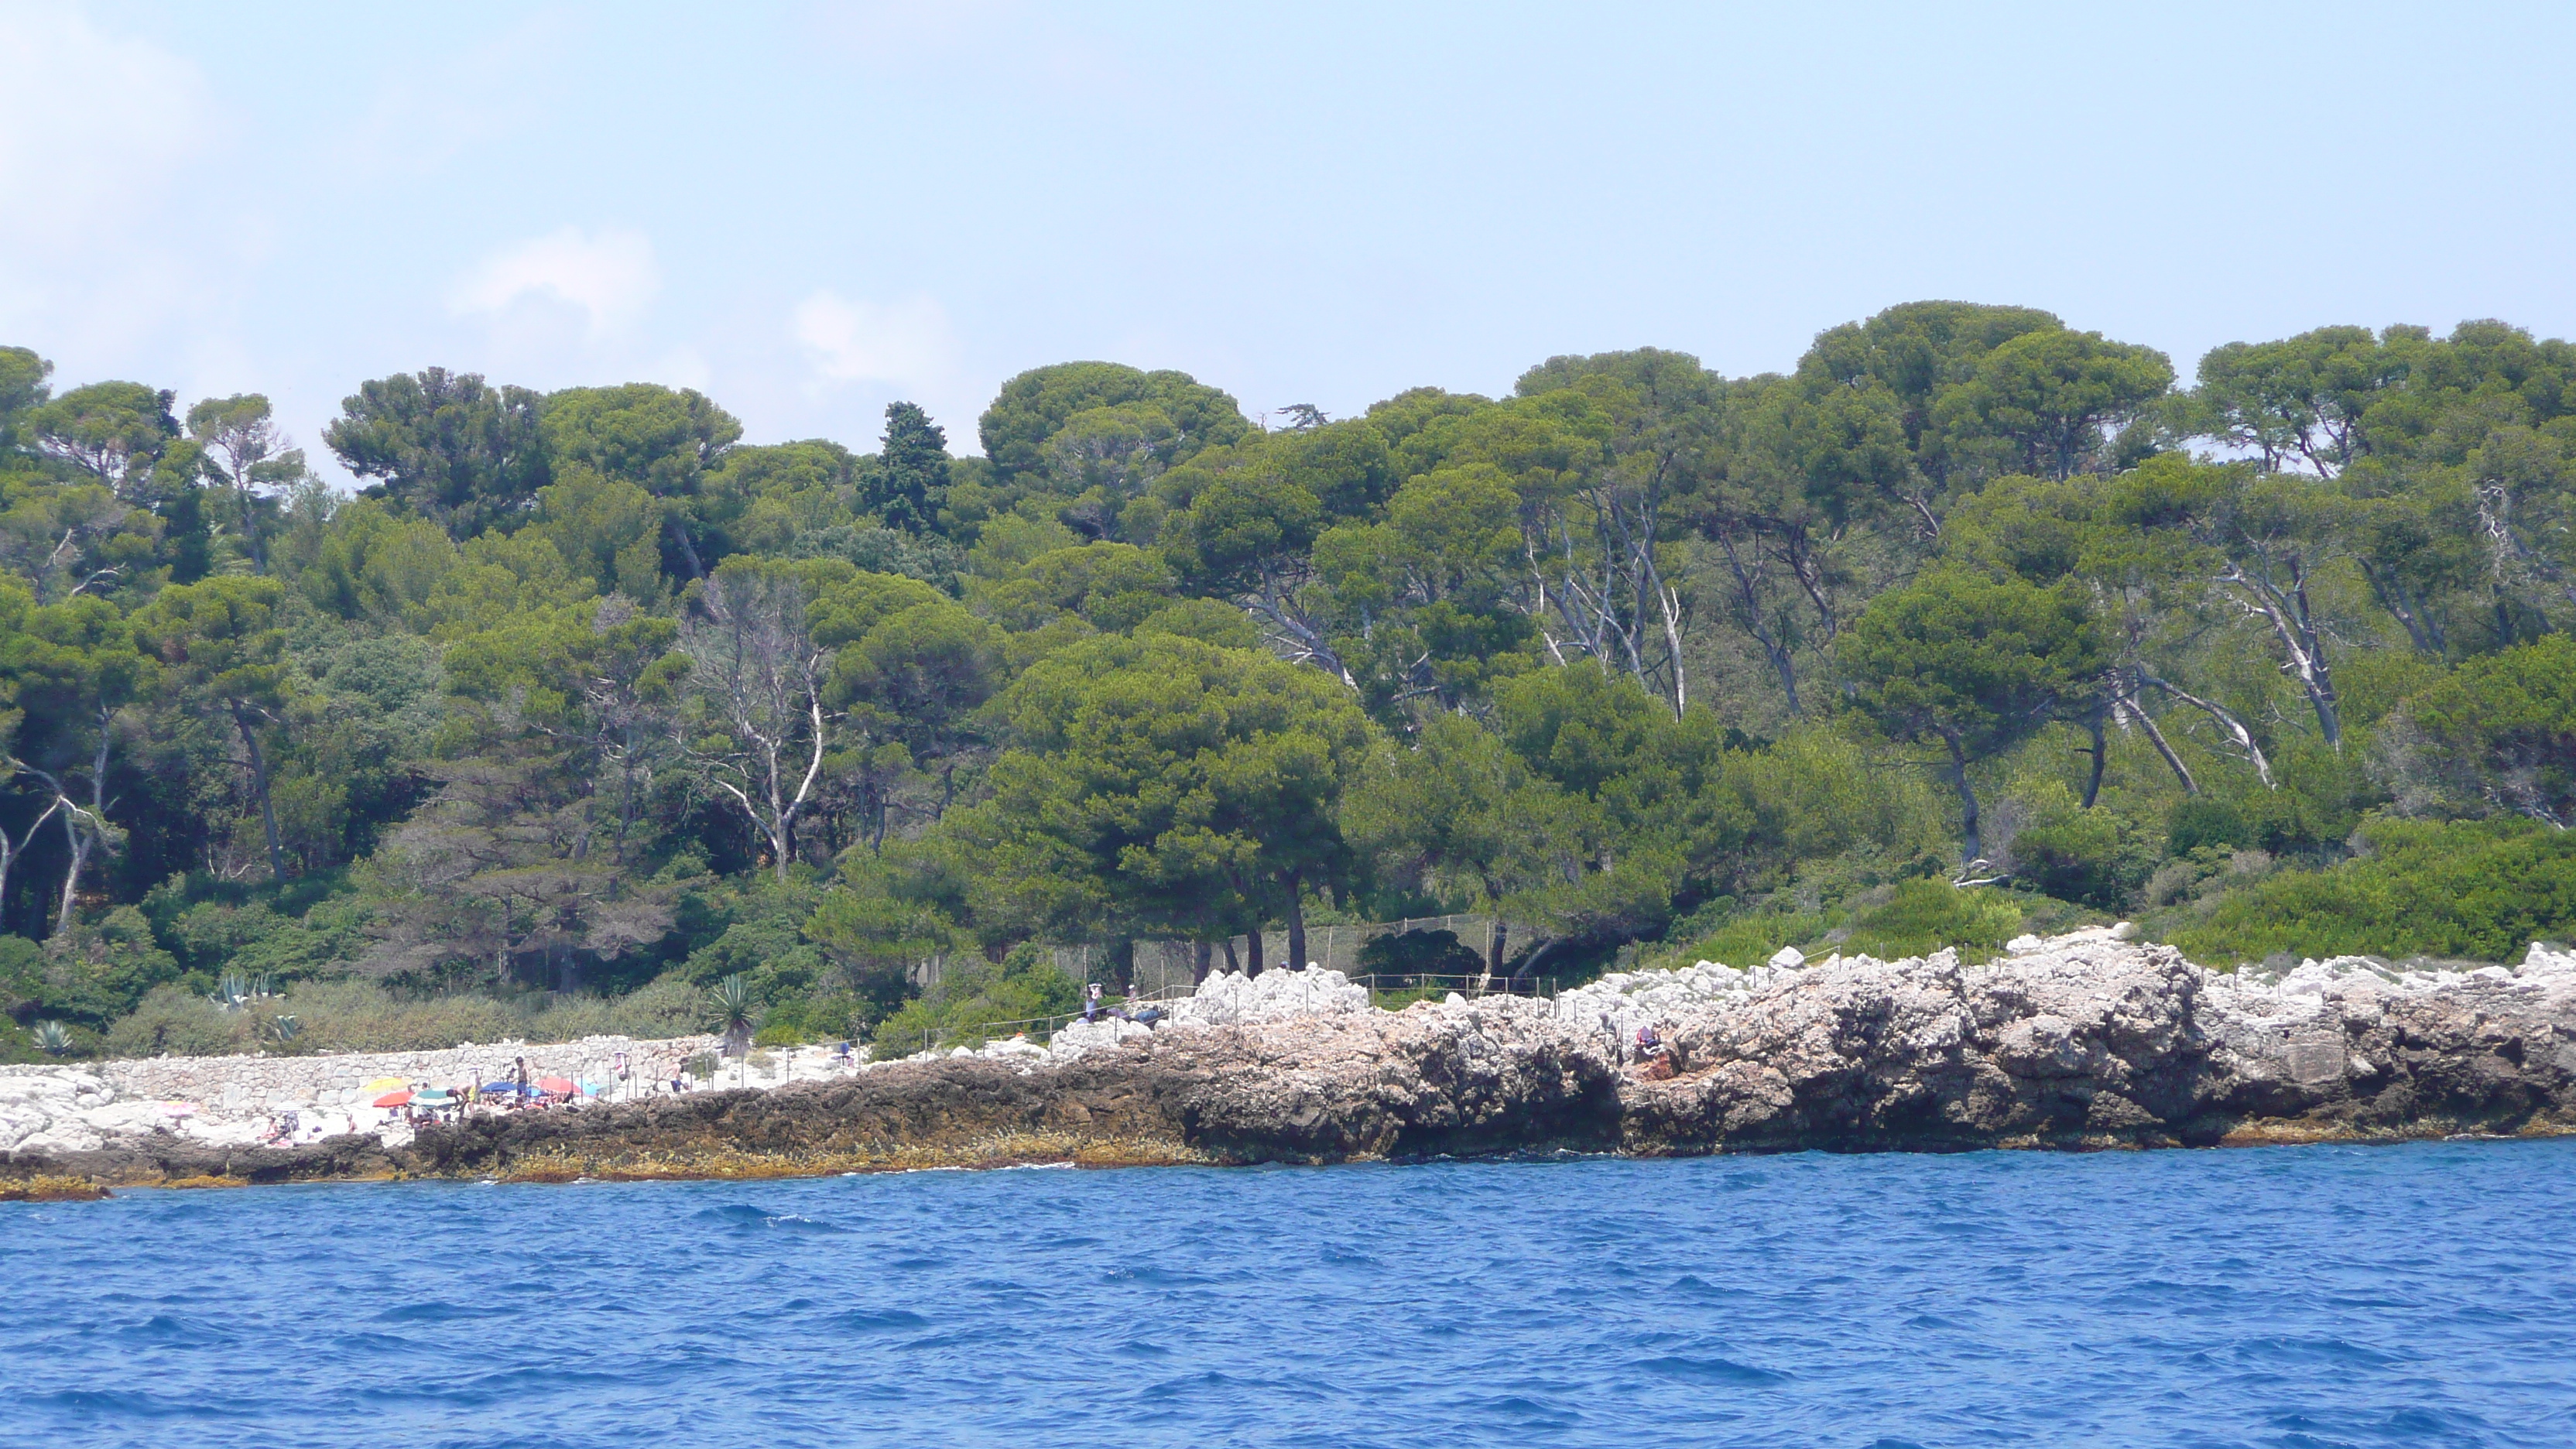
[(1132, 1008)]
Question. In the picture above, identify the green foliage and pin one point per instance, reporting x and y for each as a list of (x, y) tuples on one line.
[(2476, 890), (1750, 939), (1166, 782), (444, 446), (583, 691), (2096, 857), (1923, 916), (1036, 405), (2500, 732), (346, 1016), (975, 999)]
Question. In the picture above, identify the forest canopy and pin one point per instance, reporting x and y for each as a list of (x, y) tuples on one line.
[(579, 694)]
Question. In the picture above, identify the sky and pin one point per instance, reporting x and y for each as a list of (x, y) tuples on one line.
[(810, 210)]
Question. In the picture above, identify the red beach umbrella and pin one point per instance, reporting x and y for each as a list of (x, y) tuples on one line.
[(394, 1099), (561, 1085)]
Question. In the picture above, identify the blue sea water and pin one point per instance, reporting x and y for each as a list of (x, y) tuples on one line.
[(2284, 1296)]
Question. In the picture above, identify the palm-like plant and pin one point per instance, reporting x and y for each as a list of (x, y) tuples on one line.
[(232, 993), (736, 1015), (52, 1038), (283, 1030)]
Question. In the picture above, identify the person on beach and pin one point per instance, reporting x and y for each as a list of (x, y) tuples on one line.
[(1091, 1004)]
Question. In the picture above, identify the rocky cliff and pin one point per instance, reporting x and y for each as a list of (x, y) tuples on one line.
[(2082, 1041)]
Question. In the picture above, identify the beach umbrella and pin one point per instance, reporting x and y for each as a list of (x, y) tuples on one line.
[(596, 1089), (561, 1085), (430, 1098), (500, 1086), (385, 1084), (392, 1099)]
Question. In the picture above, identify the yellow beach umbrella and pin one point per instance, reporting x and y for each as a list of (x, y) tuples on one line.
[(384, 1084)]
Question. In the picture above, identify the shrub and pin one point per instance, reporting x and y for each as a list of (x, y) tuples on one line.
[(2479, 890), (975, 997), (1749, 940), (1926, 915), (177, 1021)]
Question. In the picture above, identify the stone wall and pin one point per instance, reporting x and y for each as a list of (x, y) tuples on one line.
[(251, 1086)]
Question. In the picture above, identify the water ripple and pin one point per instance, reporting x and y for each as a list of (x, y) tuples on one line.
[(2321, 1296)]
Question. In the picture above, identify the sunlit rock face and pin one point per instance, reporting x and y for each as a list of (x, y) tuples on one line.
[(2085, 1040)]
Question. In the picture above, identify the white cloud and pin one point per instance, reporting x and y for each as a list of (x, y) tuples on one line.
[(98, 135), (906, 342), (609, 278), (91, 125)]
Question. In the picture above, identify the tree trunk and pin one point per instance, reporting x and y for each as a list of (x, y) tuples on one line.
[(2421, 627), (1233, 963), (1296, 924), (1202, 956), (259, 783), (1495, 939), (79, 841), (2100, 753), (1252, 949), (2164, 747), (1749, 604), (1972, 844), (9, 851)]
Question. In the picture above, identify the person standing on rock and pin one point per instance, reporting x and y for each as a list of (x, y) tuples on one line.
[(1091, 1004)]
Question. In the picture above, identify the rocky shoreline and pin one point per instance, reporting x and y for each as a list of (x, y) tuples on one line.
[(2081, 1042)]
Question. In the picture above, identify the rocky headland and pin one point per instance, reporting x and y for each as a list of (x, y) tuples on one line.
[(2085, 1041)]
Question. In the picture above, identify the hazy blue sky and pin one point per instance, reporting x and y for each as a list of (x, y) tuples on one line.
[(808, 210)]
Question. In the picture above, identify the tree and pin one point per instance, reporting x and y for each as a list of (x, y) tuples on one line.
[(909, 688), (22, 390), (1450, 816), (2257, 540), (1657, 451), (1161, 783), (224, 650), (444, 446), (755, 725), (1975, 662), (497, 866), (1248, 536), (244, 448), (2501, 730), (596, 679), (1035, 405), (72, 670), (112, 431), (910, 475), (655, 438), (2047, 402), (2297, 403)]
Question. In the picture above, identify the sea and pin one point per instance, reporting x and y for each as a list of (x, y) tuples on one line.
[(2292, 1296)]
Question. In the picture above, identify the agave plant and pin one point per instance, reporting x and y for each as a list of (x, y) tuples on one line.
[(736, 1015), (232, 993), (52, 1038), (282, 1029)]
